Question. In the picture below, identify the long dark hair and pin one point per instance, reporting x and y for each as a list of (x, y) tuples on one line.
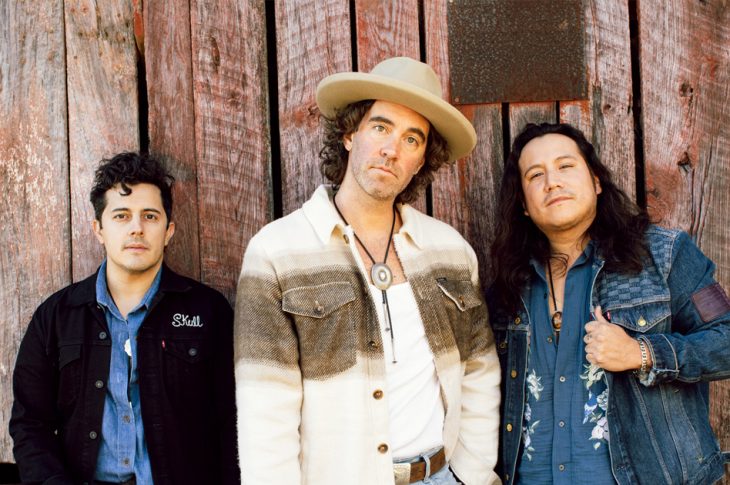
[(618, 229), (334, 156)]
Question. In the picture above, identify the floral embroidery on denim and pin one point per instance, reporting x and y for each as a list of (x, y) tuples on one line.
[(528, 429), (595, 408)]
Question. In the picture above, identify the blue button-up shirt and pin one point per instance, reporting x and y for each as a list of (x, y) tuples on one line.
[(565, 430), (123, 452)]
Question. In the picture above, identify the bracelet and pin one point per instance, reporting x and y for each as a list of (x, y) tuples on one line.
[(644, 357)]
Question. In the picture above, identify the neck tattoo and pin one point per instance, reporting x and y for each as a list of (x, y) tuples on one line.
[(380, 273), (557, 317)]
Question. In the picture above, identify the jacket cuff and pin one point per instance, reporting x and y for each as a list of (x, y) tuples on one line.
[(665, 366)]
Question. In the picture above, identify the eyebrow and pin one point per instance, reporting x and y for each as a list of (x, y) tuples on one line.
[(413, 129), (126, 209)]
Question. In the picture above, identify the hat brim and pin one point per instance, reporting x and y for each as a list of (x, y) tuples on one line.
[(338, 90)]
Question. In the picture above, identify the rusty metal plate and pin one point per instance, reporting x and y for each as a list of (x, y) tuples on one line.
[(516, 50)]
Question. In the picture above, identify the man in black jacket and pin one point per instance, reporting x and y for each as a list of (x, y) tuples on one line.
[(127, 376)]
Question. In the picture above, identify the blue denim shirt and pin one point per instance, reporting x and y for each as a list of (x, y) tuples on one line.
[(658, 423), (123, 451), (565, 430)]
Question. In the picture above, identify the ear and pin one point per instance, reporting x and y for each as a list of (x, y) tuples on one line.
[(169, 233), (347, 141), (96, 227), (597, 185)]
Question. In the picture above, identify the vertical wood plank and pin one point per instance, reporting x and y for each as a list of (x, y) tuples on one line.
[(35, 260), (520, 114), (387, 29), (231, 133), (465, 194), (102, 107), (606, 117), (171, 121), (312, 42), (685, 74)]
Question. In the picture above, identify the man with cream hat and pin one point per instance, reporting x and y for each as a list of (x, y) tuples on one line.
[(363, 351)]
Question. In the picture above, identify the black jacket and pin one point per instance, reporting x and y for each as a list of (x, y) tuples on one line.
[(185, 378)]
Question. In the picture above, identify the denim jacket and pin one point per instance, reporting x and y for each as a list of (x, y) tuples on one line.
[(659, 429)]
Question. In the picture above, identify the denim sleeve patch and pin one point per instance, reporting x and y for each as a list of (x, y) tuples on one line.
[(711, 302)]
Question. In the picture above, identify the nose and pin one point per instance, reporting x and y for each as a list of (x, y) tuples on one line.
[(552, 181), (135, 225), (389, 149)]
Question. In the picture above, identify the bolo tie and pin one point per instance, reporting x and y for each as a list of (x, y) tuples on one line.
[(557, 317), (381, 275)]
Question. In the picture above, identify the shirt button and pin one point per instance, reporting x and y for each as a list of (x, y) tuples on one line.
[(102, 335), (378, 394), (513, 374), (561, 424), (550, 340), (125, 462), (383, 448), (373, 345), (561, 467), (509, 427), (562, 378), (93, 435), (126, 418), (99, 384), (193, 352)]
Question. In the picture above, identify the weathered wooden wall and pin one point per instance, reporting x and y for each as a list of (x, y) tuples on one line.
[(224, 90)]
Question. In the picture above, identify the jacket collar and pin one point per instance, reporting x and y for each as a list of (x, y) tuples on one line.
[(322, 215), (85, 291)]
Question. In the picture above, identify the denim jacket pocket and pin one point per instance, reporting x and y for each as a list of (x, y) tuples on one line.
[(643, 318), (324, 318)]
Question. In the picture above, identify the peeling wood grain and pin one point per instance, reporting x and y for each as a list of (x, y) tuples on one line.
[(231, 133), (34, 261), (685, 73), (103, 115), (607, 118), (171, 121), (312, 42), (465, 194)]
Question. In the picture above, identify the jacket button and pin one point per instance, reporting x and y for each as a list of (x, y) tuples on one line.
[(513, 374), (518, 320), (503, 345), (383, 448), (378, 394), (102, 335), (193, 352), (373, 345), (93, 435), (461, 300), (642, 322), (99, 384), (509, 427), (347, 239), (318, 309)]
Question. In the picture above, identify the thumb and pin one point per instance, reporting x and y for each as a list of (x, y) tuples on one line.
[(598, 314)]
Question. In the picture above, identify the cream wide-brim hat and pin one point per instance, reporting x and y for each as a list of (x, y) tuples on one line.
[(407, 82)]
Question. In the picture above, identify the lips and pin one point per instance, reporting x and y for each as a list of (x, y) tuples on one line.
[(555, 200), (135, 246)]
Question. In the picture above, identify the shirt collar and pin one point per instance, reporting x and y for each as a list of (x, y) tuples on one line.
[(105, 299), (322, 215)]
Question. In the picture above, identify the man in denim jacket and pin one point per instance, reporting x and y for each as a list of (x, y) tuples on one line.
[(608, 329)]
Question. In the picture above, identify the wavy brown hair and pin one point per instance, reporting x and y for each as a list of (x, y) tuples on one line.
[(618, 229), (334, 156)]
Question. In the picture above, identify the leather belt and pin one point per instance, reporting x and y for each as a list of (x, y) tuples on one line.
[(406, 473)]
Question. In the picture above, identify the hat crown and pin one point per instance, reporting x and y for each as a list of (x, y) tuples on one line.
[(410, 71)]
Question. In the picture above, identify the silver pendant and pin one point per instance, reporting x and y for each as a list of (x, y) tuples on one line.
[(382, 276)]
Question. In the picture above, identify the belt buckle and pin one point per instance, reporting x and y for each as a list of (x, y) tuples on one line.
[(402, 473)]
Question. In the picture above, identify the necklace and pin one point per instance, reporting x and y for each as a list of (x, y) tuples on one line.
[(380, 273), (557, 317)]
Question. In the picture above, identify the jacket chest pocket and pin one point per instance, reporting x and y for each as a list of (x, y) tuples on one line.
[(654, 317), (460, 300), (324, 317), (186, 367), (69, 374)]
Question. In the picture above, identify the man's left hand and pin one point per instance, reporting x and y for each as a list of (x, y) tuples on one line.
[(609, 347)]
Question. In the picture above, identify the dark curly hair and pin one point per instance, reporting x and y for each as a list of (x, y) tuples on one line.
[(129, 168), (618, 229), (334, 155)]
